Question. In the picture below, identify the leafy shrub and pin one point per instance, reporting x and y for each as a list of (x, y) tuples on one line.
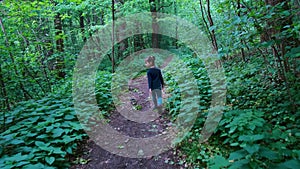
[(259, 128), (256, 143), (197, 154), (40, 134), (174, 88), (103, 91)]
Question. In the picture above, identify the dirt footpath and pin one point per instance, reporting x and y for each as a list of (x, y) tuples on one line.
[(97, 158)]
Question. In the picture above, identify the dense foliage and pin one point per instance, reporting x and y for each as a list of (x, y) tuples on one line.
[(258, 129), (40, 134), (257, 43)]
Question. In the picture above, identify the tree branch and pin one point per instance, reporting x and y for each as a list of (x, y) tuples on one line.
[(164, 6)]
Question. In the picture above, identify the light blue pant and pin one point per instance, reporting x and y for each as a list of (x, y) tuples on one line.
[(157, 97)]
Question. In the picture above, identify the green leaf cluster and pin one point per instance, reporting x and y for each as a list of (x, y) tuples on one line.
[(40, 134)]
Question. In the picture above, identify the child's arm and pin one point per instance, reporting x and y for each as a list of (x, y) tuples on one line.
[(161, 79), (149, 81)]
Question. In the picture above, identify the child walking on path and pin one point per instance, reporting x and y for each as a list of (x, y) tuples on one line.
[(155, 82)]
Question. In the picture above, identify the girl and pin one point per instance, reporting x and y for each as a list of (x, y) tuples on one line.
[(155, 82)]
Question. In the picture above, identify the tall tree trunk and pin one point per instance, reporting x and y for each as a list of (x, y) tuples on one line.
[(6, 101), (82, 29), (60, 65), (211, 23), (89, 23), (3, 87), (113, 36), (176, 27), (102, 18), (239, 29), (58, 32), (153, 9)]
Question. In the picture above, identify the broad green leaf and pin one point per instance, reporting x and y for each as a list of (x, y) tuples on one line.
[(22, 163), (237, 155), (239, 164), (25, 149), (269, 154), (43, 146), (69, 117), (251, 138), (42, 136), (16, 141), (234, 144), (294, 53), (31, 134), (232, 129), (219, 162), (57, 150), (49, 128), (290, 164), (50, 160), (16, 127), (57, 132), (34, 166), (69, 150), (17, 157), (67, 139), (252, 148), (75, 125)]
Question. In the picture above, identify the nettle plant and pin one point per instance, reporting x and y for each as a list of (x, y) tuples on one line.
[(255, 142), (40, 134)]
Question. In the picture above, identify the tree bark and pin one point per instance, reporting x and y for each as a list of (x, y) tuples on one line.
[(176, 27), (239, 28), (113, 36), (6, 101), (3, 87), (211, 23), (58, 32), (60, 65), (82, 29), (153, 10)]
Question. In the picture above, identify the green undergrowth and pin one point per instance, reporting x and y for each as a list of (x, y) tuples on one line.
[(103, 92), (46, 133), (40, 134), (260, 125)]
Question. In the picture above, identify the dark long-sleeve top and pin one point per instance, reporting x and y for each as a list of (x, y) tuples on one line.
[(155, 79)]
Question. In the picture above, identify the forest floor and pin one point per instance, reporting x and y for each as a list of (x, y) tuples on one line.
[(96, 157)]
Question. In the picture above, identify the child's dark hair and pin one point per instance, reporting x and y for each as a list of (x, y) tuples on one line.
[(150, 59)]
